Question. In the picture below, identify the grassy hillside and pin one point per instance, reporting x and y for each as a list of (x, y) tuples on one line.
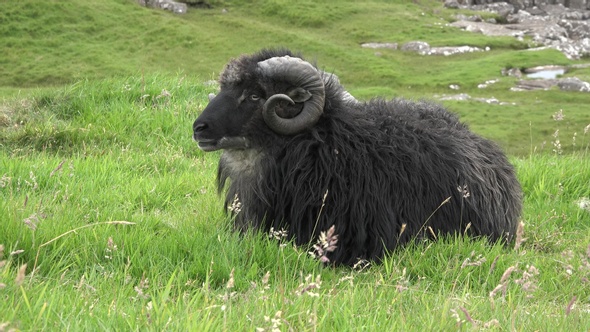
[(54, 43), (62, 42), (109, 218)]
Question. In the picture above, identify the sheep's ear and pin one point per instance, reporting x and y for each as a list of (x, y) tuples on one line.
[(299, 95)]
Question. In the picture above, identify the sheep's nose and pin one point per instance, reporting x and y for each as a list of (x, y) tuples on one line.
[(198, 127)]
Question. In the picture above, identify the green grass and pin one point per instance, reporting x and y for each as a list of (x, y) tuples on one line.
[(114, 211), (55, 43), (120, 226)]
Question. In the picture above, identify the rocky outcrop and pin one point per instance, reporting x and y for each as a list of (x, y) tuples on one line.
[(523, 4), (564, 25)]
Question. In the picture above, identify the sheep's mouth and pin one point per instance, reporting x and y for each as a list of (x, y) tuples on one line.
[(209, 145)]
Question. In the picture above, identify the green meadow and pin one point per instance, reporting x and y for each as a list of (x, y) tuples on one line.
[(110, 217)]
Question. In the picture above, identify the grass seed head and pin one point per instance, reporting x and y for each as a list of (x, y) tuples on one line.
[(570, 306), (32, 221), (326, 244), (519, 236), (20, 275), (230, 282)]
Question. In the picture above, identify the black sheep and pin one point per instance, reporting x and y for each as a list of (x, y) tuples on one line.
[(301, 155)]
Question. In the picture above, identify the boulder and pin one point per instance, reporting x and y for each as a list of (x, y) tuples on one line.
[(573, 84)]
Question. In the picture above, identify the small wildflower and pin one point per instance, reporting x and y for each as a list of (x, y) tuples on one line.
[(111, 244), (5, 181), (574, 139), (464, 191), (556, 143), (309, 285), (164, 94), (584, 203), (275, 322), (141, 288), (235, 206), (33, 182), (527, 281), (277, 235), (558, 116), (111, 247)]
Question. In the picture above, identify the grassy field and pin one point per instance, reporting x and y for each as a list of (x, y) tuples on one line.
[(50, 44), (109, 214)]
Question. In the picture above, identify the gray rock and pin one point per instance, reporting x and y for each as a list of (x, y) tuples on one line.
[(450, 50), (575, 4), (513, 72), (534, 85), (416, 46), (573, 84), (173, 6), (503, 9), (536, 11), (453, 4), (391, 46), (565, 84)]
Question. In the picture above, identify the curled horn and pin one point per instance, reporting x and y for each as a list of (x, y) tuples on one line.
[(301, 74)]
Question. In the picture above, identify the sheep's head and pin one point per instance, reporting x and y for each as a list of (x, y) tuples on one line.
[(284, 93)]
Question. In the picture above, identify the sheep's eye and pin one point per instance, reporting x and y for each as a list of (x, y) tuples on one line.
[(254, 97)]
